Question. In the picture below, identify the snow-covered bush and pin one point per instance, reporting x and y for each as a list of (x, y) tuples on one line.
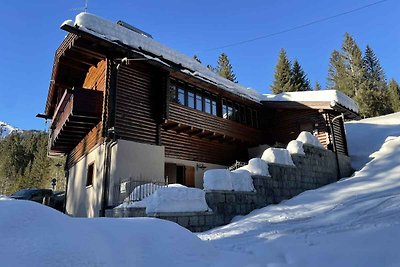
[(278, 156), (295, 147), (256, 166), (223, 179), (309, 139)]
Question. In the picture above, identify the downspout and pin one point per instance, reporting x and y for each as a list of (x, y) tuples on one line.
[(334, 144), (111, 139), (66, 174)]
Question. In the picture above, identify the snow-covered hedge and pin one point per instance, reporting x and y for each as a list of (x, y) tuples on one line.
[(277, 156), (177, 199), (256, 166), (309, 139), (223, 179), (295, 147)]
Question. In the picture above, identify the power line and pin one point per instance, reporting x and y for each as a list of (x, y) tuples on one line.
[(295, 27)]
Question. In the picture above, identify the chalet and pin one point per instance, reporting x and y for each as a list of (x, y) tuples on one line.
[(126, 108)]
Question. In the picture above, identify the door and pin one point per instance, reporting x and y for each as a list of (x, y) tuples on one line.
[(189, 176)]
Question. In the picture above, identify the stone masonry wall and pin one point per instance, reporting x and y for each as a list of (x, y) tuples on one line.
[(317, 168)]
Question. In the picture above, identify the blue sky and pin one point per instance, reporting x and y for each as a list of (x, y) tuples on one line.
[(30, 35)]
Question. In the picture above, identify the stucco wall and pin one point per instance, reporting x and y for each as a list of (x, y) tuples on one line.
[(82, 200), (137, 161)]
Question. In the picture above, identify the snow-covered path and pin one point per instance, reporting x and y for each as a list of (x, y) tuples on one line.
[(354, 222)]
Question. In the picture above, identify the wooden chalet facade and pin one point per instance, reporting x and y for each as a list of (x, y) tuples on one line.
[(121, 113)]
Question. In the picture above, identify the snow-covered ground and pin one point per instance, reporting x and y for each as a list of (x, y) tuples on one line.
[(354, 222), (6, 129)]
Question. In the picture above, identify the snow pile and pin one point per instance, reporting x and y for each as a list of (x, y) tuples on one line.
[(309, 139), (277, 156), (223, 179), (295, 147), (366, 136), (115, 33), (332, 96), (256, 166), (3, 197), (354, 222), (177, 199), (6, 129), (242, 181), (36, 235)]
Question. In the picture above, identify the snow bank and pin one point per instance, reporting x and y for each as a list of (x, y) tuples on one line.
[(177, 199), (295, 147), (113, 32), (332, 96), (357, 218), (35, 235), (366, 136), (309, 139), (278, 156), (3, 197), (256, 166), (223, 179)]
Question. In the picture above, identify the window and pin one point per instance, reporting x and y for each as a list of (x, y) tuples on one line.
[(172, 90), (254, 122), (90, 174), (213, 107), (207, 105), (199, 101), (190, 99), (181, 96)]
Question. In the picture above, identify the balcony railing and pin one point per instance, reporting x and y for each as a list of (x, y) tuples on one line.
[(78, 111)]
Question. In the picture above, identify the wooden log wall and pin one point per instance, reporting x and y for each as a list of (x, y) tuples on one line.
[(134, 114), (95, 80), (286, 125)]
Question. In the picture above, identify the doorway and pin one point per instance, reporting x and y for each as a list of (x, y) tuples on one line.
[(181, 174)]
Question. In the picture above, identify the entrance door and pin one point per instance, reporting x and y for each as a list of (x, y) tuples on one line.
[(180, 174)]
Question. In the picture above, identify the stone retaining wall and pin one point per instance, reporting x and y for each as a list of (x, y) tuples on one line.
[(317, 168)]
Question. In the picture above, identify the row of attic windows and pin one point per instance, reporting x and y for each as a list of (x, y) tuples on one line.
[(201, 100)]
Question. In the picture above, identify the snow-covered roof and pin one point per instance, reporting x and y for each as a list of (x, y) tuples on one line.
[(115, 33), (332, 96)]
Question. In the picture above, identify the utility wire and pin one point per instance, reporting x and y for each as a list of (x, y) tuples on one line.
[(295, 27)]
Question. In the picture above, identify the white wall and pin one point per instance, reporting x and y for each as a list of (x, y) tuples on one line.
[(142, 162), (198, 176), (82, 200)]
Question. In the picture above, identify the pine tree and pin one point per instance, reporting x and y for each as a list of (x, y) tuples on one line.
[(317, 87), (394, 95), (282, 76), (375, 91), (224, 68), (299, 80)]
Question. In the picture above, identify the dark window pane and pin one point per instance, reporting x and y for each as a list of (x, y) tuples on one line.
[(255, 119), (172, 90), (214, 107), (199, 102), (242, 115), (207, 105), (230, 111), (190, 99), (236, 116), (248, 116), (181, 96)]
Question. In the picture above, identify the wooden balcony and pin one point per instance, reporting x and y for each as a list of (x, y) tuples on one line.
[(78, 111), (184, 120)]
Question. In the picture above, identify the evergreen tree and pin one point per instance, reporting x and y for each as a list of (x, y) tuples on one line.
[(299, 80), (317, 87), (282, 76), (394, 95), (373, 72), (224, 68), (195, 57)]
